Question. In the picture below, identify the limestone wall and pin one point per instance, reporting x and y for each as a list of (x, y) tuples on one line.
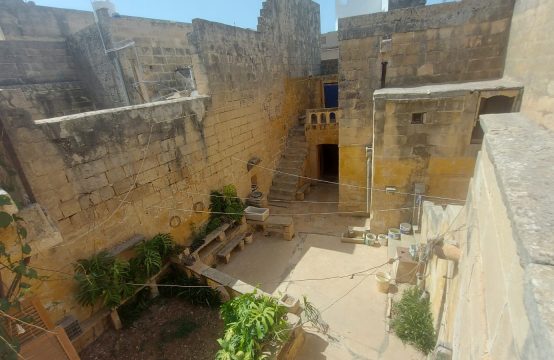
[(529, 57), (26, 21), (497, 301), (30, 62), (442, 43), (107, 175), (437, 152)]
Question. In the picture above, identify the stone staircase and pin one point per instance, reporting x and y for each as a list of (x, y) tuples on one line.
[(293, 161)]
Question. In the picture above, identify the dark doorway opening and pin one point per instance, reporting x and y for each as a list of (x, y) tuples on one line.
[(331, 95), (494, 105), (329, 162)]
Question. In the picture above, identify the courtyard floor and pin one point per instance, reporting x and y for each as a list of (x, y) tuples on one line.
[(352, 306)]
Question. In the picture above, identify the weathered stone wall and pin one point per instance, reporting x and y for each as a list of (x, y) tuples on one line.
[(26, 21), (106, 175), (400, 4), (529, 57), (31, 62), (442, 43), (498, 299), (437, 153)]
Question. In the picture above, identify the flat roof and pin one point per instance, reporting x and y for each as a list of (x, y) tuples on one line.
[(500, 84)]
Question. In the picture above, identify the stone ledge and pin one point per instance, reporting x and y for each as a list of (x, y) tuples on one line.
[(522, 152)]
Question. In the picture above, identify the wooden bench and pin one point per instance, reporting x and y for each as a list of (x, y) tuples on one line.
[(301, 193), (225, 252), (283, 224)]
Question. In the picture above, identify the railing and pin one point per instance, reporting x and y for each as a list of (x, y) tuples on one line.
[(326, 118)]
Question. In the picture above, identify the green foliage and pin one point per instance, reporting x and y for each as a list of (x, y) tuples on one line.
[(20, 274), (234, 207), (204, 296), (102, 277), (225, 206), (105, 278), (412, 320), (132, 309), (251, 321)]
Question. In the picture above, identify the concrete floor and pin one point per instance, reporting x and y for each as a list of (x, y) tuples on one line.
[(353, 308)]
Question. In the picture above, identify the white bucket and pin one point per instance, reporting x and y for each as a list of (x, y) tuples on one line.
[(383, 281), (383, 239), (394, 234), (370, 239), (405, 228)]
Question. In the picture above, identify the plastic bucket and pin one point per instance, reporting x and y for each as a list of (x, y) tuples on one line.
[(383, 281), (383, 239), (405, 228), (394, 234), (370, 239)]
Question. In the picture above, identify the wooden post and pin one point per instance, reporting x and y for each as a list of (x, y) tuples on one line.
[(116, 321)]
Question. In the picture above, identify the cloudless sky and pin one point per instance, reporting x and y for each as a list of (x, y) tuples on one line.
[(242, 13)]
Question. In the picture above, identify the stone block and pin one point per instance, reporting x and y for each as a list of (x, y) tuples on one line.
[(70, 207), (116, 174)]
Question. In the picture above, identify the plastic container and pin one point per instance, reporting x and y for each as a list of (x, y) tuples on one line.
[(370, 239), (383, 239), (383, 281), (256, 213), (394, 234), (405, 228)]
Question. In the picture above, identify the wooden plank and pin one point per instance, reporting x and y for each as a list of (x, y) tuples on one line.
[(66, 344)]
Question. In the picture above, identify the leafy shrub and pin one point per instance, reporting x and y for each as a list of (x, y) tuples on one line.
[(150, 256), (105, 278), (413, 322), (251, 321), (132, 309), (205, 296), (102, 277)]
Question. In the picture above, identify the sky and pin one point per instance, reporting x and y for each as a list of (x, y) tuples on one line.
[(242, 13)]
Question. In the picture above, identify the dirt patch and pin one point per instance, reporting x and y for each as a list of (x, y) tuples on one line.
[(169, 329)]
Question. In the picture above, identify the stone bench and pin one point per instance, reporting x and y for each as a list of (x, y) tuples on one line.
[(283, 224), (225, 252), (301, 193)]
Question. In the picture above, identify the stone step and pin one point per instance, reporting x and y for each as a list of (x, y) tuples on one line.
[(274, 196), (285, 191), (289, 171), (297, 150), (291, 164), (281, 181), (299, 130), (294, 156)]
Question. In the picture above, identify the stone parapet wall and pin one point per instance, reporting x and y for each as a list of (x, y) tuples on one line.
[(497, 300), (25, 21)]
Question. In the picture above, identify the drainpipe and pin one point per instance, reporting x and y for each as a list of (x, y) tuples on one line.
[(369, 154)]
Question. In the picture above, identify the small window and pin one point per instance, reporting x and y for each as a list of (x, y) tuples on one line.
[(418, 118), (323, 119), (313, 119), (332, 118)]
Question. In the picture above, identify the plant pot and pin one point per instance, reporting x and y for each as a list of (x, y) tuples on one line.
[(248, 238), (383, 281)]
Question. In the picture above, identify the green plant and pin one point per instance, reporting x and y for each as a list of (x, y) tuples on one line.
[(234, 207), (198, 295), (17, 274), (133, 308), (412, 320), (102, 277), (150, 256), (251, 321)]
